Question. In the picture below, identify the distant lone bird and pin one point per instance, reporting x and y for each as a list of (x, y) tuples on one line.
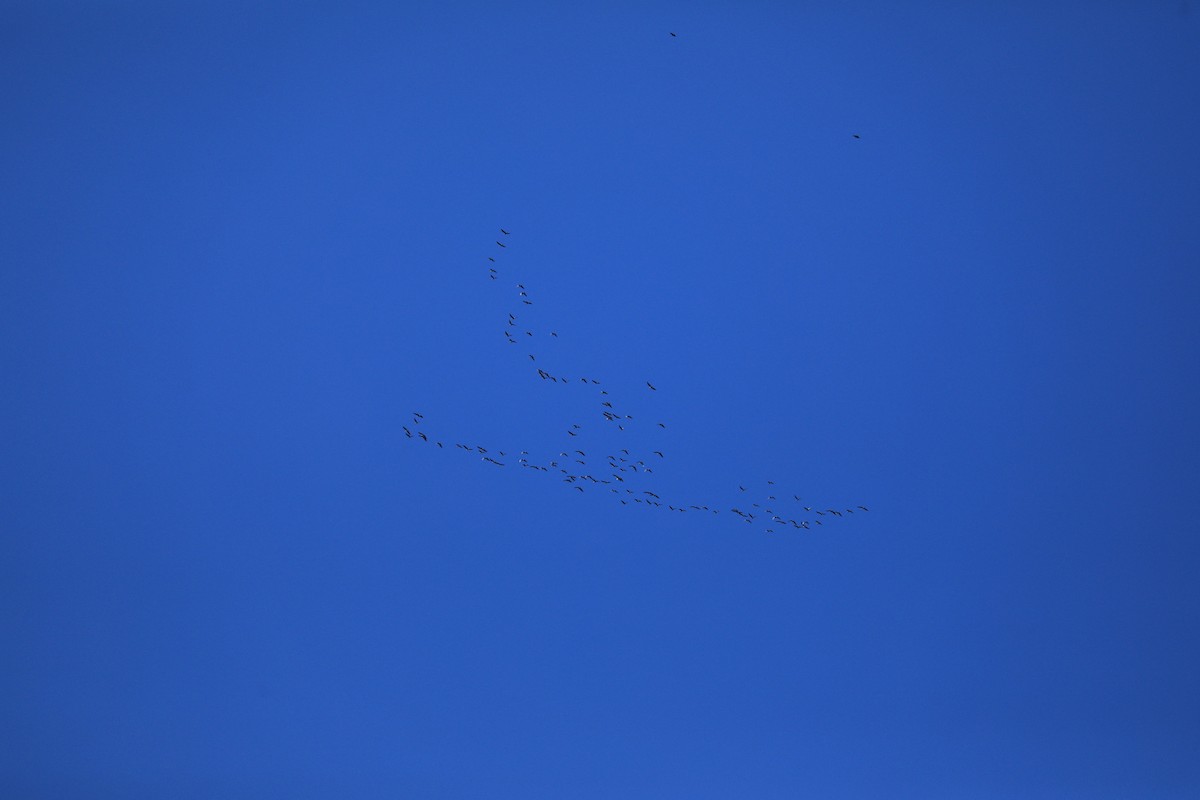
[(672, 33), (856, 136), (502, 244), (651, 385)]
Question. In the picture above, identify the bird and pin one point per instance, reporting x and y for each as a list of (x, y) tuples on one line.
[(661, 425), (502, 244), (658, 453), (531, 358), (651, 385), (856, 136), (504, 231), (671, 32), (864, 508)]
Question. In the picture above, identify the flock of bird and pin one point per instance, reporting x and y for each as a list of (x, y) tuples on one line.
[(625, 472), (622, 471)]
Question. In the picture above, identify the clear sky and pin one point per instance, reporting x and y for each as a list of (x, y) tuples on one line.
[(241, 244)]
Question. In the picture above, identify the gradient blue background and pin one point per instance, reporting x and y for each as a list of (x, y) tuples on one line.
[(241, 244)]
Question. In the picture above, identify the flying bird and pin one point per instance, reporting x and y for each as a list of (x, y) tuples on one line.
[(504, 231), (648, 383), (502, 244)]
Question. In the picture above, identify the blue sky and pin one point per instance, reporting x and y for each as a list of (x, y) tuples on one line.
[(243, 243)]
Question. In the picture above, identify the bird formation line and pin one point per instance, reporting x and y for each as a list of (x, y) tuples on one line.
[(622, 473)]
